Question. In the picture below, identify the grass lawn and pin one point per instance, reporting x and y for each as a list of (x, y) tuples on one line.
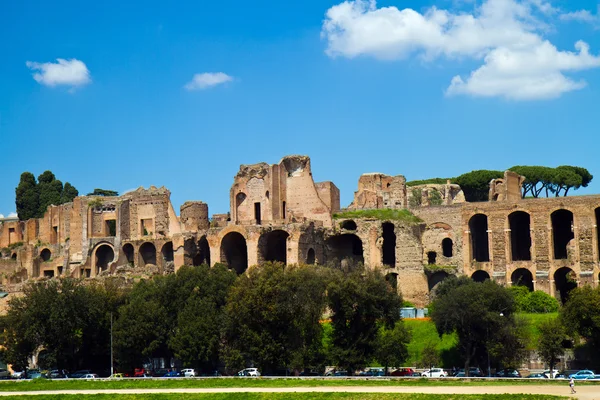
[(424, 332), (291, 396), (77, 384)]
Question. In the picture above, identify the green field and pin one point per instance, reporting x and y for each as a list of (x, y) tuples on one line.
[(77, 384), (291, 396)]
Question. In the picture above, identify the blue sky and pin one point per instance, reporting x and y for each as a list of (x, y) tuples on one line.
[(395, 86)]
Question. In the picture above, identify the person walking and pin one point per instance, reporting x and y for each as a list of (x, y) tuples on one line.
[(572, 385)]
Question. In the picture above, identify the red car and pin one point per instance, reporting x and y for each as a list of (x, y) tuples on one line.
[(140, 373), (403, 372)]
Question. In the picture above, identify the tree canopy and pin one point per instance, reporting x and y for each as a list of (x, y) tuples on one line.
[(33, 198), (103, 192), (481, 314), (476, 184)]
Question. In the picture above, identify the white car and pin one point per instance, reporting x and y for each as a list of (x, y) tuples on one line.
[(435, 373), (189, 372), (90, 376), (249, 372), (551, 375)]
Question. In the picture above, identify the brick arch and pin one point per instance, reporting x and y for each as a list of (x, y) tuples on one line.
[(562, 233), (147, 253), (45, 254), (234, 251), (479, 237), (520, 223), (440, 225), (234, 228), (101, 262), (273, 245)]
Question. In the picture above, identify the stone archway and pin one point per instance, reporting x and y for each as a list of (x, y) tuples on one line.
[(480, 276), (478, 228), (104, 254), (522, 277), (148, 253), (520, 235), (272, 246), (565, 280), (310, 256), (435, 279), (347, 247), (45, 254), (234, 252), (129, 253), (562, 232)]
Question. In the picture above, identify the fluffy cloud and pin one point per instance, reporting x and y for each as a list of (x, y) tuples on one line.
[(64, 72), (506, 35), (207, 80), (583, 16)]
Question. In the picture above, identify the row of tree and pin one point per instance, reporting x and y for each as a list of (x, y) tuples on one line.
[(33, 197), (539, 181), (270, 317)]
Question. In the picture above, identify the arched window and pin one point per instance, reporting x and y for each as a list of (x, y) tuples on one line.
[(447, 250), (562, 232), (234, 252), (520, 236), (478, 226)]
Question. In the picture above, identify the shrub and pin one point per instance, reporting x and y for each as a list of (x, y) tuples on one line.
[(541, 302)]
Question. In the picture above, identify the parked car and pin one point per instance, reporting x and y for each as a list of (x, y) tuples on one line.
[(4, 374), (473, 372), (551, 374), (34, 374), (435, 373), (404, 372), (373, 372), (117, 375), (538, 376), (188, 372), (18, 375), (141, 373), (90, 376), (80, 373), (508, 373), (172, 374), (57, 374), (583, 374), (249, 372)]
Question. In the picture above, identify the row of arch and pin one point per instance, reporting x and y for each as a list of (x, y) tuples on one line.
[(519, 223)]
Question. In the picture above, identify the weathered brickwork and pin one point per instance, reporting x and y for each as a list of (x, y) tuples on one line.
[(278, 213)]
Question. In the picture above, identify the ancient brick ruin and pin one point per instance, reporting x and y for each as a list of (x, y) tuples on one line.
[(278, 213)]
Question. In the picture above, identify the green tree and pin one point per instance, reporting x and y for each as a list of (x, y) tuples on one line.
[(359, 300), (68, 194), (552, 339), (66, 318), (541, 302), (430, 356), (479, 313), (103, 192), (570, 177), (537, 178), (392, 346), (273, 314), (197, 339), (50, 190), (27, 197), (476, 184), (580, 317)]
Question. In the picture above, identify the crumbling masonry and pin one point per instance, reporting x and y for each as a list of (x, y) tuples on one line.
[(278, 213)]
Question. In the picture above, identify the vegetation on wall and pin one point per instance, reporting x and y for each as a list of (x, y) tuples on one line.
[(381, 214), (539, 180), (33, 197), (103, 192)]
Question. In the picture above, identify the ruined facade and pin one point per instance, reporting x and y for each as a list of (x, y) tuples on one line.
[(278, 213)]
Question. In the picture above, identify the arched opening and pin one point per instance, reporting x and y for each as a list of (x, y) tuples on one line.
[(148, 253), (128, 251), (478, 226), (272, 246), (392, 280), (431, 257), (522, 277), (562, 232), (345, 247), (597, 213), (14, 256), (167, 252), (104, 256), (45, 255), (520, 235), (389, 245), (348, 225), (203, 254), (447, 249), (310, 256), (565, 280), (435, 279), (480, 276), (234, 252)]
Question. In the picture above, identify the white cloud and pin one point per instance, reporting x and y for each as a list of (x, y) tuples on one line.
[(12, 215), (505, 35), (207, 80), (583, 16), (64, 72)]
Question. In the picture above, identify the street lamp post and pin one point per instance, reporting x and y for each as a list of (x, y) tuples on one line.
[(111, 345)]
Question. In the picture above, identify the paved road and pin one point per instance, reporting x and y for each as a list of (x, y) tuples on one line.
[(583, 392)]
